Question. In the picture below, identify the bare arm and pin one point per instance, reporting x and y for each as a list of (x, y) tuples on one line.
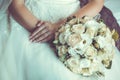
[(91, 9), (23, 15), (27, 20), (42, 33)]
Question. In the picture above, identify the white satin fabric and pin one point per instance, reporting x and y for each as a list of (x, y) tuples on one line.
[(23, 60), (4, 33), (4, 5)]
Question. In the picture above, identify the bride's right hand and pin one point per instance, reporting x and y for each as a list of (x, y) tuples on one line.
[(39, 32), (45, 31)]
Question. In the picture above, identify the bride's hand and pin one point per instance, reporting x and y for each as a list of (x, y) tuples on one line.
[(45, 31)]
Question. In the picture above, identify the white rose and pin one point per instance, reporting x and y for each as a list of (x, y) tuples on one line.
[(86, 41), (78, 50), (62, 29), (91, 32), (62, 38), (91, 52), (76, 70), (108, 47), (73, 21), (72, 51), (110, 41), (62, 50), (85, 63), (93, 24), (73, 62), (65, 32), (95, 65), (74, 39), (86, 72), (102, 30), (67, 28), (92, 27), (109, 52), (86, 18), (78, 28), (108, 33), (101, 41)]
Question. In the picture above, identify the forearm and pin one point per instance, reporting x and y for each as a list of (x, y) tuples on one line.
[(23, 16), (91, 9)]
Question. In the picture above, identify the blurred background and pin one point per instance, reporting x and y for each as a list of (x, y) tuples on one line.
[(114, 6)]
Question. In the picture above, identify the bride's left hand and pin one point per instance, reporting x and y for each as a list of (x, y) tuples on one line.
[(39, 35)]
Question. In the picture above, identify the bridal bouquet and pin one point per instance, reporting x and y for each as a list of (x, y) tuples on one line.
[(85, 46)]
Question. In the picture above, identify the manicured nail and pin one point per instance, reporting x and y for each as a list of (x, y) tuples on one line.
[(39, 24)]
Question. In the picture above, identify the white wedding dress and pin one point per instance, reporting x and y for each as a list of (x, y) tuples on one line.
[(22, 60), (4, 33)]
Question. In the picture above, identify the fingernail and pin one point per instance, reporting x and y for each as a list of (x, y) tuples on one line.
[(39, 24)]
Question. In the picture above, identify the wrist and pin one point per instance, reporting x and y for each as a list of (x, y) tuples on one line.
[(61, 22)]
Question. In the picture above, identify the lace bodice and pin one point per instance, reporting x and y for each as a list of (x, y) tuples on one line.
[(52, 10)]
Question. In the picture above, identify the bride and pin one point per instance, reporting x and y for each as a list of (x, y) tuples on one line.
[(27, 56)]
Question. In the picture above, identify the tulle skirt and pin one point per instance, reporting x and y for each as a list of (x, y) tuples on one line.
[(24, 60)]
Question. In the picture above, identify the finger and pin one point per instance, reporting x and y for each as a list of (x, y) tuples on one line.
[(37, 30), (49, 38), (42, 37), (46, 39), (44, 31)]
